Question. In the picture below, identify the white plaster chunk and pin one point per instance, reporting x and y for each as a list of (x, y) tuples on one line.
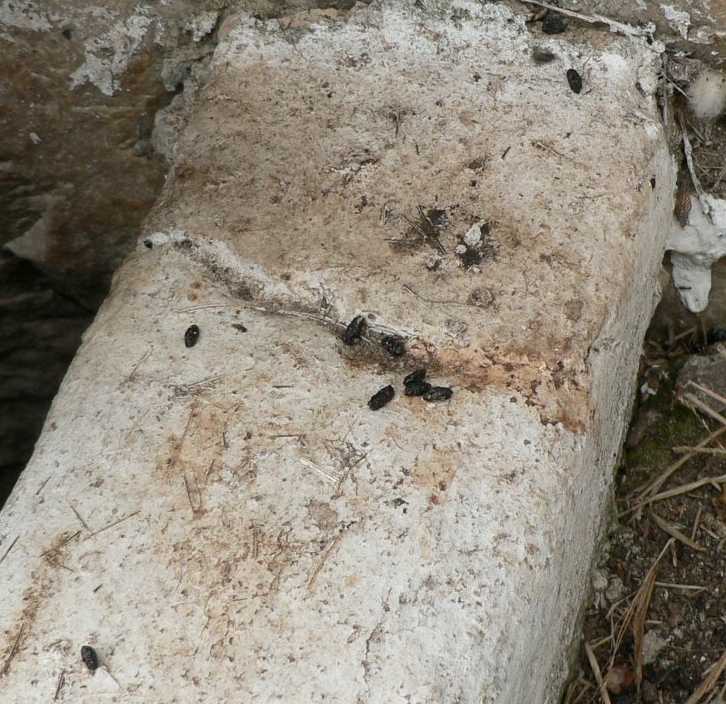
[(695, 249)]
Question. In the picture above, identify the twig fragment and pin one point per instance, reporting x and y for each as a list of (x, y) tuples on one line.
[(673, 531), (598, 675), (5, 554), (115, 523), (323, 559), (684, 489), (691, 400), (428, 237), (433, 300), (642, 603), (680, 449), (654, 485), (193, 493), (709, 681), (61, 544), (78, 516), (614, 26), (14, 649), (61, 681)]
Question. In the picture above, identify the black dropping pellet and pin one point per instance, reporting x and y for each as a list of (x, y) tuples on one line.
[(88, 655), (574, 79), (417, 388), (393, 345), (381, 398), (438, 393), (148, 244), (552, 24), (191, 335), (354, 330), (414, 377)]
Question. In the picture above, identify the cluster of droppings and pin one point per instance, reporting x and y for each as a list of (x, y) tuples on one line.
[(414, 384)]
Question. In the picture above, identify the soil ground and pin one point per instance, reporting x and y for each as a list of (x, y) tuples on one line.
[(659, 596)]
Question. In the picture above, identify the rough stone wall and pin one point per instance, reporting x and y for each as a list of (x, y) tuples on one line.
[(80, 86)]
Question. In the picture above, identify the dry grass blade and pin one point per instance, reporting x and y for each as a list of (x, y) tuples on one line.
[(13, 650), (707, 391), (636, 612), (654, 485), (598, 675), (709, 681), (671, 530), (613, 25), (680, 449), (642, 603), (684, 489), (694, 402)]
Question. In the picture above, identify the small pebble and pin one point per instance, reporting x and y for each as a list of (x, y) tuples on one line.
[(89, 657), (354, 330), (414, 377), (418, 388), (438, 393), (393, 345), (191, 335), (381, 398), (574, 79)]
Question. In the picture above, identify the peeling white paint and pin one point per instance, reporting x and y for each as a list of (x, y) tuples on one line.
[(108, 56)]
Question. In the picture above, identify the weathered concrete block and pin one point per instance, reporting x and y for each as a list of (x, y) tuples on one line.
[(230, 521)]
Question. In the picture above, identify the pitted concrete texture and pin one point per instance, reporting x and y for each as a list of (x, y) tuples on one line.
[(231, 521)]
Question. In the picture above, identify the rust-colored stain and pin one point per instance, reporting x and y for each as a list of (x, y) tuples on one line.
[(558, 390), (187, 455)]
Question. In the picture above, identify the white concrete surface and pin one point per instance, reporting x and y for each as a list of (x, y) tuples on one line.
[(231, 522)]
